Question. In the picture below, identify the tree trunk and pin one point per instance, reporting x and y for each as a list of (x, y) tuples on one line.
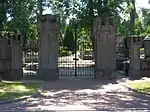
[(91, 12), (132, 17), (40, 8)]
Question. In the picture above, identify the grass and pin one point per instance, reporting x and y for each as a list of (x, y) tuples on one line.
[(141, 86), (10, 90)]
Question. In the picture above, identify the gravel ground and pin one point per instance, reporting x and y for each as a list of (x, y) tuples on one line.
[(70, 94)]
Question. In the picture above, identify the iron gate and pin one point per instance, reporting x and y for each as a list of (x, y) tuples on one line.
[(30, 59), (78, 63)]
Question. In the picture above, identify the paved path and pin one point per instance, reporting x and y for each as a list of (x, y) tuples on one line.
[(82, 95)]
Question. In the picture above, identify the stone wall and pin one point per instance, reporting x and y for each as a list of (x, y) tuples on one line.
[(11, 58)]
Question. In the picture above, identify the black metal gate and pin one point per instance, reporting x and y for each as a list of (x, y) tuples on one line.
[(78, 63), (30, 59)]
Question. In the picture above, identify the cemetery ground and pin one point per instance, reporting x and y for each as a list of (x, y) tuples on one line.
[(10, 90), (88, 95)]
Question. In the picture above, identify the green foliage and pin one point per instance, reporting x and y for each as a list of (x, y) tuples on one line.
[(18, 16), (84, 40), (69, 39), (138, 26), (32, 32), (63, 51), (22, 17), (147, 30)]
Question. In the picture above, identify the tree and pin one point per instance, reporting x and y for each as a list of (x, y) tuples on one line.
[(146, 20), (69, 39), (132, 8), (3, 11), (87, 10)]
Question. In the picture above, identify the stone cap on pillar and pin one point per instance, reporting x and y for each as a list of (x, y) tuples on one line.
[(49, 18), (147, 46), (48, 22), (136, 40), (105, 20), (16, 38), (104, 25)]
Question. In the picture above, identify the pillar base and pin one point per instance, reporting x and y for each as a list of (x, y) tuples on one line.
[(135, 74), (105, 74), (48, 74), (16, 74), (145, 73), (5, 75)]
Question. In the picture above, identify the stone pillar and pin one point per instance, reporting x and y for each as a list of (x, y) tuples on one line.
[(16, 72), (5, 59), (105, 46), (48, 48), (135, 62)]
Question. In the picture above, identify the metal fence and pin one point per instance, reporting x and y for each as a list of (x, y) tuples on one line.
[(30, 61), (78, 63)]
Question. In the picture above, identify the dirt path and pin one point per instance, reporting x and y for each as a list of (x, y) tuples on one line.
[(82, 95)]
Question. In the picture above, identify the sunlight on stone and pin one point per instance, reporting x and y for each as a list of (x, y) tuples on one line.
[(89, 91), (66, 108), (54, 93)]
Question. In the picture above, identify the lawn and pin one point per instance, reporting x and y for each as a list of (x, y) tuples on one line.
[(10, 90), (141, 86)]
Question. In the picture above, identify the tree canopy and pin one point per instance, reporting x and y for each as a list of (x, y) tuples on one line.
[(23, 16)]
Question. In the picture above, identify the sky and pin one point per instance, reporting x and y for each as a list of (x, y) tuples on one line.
[(142, 3)]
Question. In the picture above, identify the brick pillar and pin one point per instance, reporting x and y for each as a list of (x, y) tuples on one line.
[(16, 72), (48, 48), (105, 46)]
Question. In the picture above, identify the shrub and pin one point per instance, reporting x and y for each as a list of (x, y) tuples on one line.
[(69, 39), (63, 51)]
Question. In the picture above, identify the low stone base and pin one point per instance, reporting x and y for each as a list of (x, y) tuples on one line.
[(145, 73), (48, 74), (135, 74), (5, 75), (105, 74), (16, 74)]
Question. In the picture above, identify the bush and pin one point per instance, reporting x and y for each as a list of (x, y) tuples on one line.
[(68, 41), (63, 51)]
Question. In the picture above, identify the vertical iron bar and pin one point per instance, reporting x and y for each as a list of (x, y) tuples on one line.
[(75, 50)]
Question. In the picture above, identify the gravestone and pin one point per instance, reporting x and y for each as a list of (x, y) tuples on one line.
[(48, 48), (105, 46)]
